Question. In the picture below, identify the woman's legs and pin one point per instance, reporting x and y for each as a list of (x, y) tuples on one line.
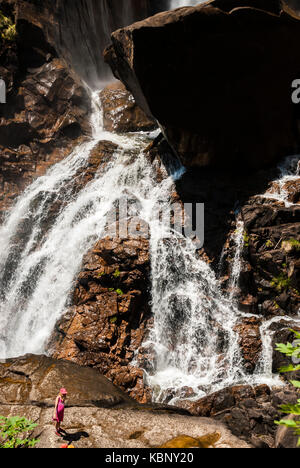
[(57, 426)]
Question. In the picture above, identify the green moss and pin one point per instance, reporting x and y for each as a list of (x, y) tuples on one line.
[(116, 274), (291, 244), (113, 319), (7, 29), (246, 239), (118, 291), (281, 283), (269, 244)]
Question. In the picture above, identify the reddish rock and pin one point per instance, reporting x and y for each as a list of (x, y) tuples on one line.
[(109, 319), (121, 114), (250, 341)]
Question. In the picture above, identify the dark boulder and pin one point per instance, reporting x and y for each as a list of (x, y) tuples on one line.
[(248, 411), (217, 77)]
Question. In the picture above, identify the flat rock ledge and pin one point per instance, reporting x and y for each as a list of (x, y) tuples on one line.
[(98, 414)]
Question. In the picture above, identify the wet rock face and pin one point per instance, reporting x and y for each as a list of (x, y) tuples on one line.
[(121, 114), (272, 255), (84, 28), (46, 109), (249, 412), (212, 53), (110, 315)]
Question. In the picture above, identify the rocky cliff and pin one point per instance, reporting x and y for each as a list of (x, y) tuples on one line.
[(209, 79), (46, 107)]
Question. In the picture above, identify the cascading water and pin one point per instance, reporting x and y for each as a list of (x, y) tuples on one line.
[(193, 335), (288, 172), (196, 346), (83, 29), (238, 239), (193, 338), (37, 268), (182, 3)]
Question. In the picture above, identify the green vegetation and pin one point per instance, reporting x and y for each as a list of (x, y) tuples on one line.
[(246, 239), (281, 283), (7, 29), (276, 305), (113, 319), (269, 244), (291, 244), (15, 432), (291, 350), (117, 274), (118, 291)]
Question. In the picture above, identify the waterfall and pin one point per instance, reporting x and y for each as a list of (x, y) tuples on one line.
[(238, 240), (52, 226), (41, 254), (288, 172), (83, 29), (193, 335), (182, 3)]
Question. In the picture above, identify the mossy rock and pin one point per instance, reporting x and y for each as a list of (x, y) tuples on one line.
[(186, 442), (7, 29)]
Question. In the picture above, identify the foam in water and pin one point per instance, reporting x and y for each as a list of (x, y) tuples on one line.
[(288, 172), (238, 238)]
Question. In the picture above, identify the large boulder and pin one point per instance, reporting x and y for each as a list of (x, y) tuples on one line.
[(97, 415), (217, 77), (36, 380)]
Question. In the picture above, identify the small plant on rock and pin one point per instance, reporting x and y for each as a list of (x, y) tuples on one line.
[(269, 244), (246, 239), (293, 351), (117, 274), (15, 432), (291, 245), (281, 283), (7, 29)]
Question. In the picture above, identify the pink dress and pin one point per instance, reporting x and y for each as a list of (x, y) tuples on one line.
[(60, 410)]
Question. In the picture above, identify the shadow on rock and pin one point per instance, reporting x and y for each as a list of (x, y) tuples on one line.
[(75, 437)]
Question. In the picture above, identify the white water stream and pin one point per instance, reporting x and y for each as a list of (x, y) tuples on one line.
[(183, 3)]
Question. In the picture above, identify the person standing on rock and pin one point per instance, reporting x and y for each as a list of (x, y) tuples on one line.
[(59, 410)]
